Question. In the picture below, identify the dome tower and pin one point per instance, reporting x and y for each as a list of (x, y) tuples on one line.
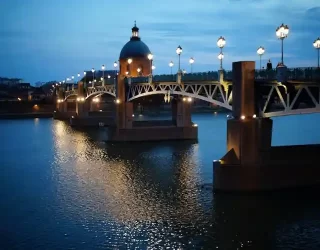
[(134, 56)]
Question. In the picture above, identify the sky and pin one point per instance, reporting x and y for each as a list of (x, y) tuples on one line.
[(43, 40)]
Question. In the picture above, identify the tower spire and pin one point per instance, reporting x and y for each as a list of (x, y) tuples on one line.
[(135, 32)]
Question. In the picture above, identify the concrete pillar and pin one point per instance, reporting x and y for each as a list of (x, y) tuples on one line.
[(282, 73), (181, 112), (82, 108), (221, 76), (64, 106), (179, 77), (243, 101), (92, 105), (174, 109), (81, 89), (248, 137), (128, 114), (120, 103)]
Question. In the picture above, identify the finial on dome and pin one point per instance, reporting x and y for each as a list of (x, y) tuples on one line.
[(135, 31)]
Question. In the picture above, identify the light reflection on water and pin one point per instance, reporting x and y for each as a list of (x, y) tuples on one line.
[(64, 190)]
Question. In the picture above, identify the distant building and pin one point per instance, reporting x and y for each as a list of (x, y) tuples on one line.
[(39, 84), (10, 81), (38, 94), (17, 91)]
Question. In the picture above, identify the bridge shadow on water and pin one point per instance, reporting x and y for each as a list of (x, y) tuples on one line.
[(155, 189)]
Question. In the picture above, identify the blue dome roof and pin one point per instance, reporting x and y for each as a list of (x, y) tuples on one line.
[(134, 48)]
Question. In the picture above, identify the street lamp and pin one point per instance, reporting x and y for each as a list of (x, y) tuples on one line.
[(171, 65), (92, 74), (316, 44), (179, 51), (85, 78), (260, 52), (72, 77), (282, 32), (153, 67), (139, 70), (150, 57), (103, 68), (221, 43), (191, 61), (220, 57), (115, 65)]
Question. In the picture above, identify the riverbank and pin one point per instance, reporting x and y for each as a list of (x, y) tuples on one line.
[(26, 115)]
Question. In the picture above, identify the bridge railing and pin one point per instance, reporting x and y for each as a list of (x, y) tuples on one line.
[(307, 74)]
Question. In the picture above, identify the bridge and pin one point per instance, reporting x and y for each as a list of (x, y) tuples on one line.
[(298, 94), (251, 163)]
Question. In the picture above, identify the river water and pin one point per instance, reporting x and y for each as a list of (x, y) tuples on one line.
[(60, 189)]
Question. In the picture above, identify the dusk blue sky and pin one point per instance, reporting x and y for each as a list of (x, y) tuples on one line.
[(42, 40)]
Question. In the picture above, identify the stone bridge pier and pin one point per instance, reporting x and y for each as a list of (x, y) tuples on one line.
[(251, 162), (61, 111), (181, 112), (181, 126), (82, 105)]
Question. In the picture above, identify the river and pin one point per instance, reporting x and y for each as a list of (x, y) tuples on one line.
[(61, 189)]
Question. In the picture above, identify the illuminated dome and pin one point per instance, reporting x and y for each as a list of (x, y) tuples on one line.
[(135, 47)]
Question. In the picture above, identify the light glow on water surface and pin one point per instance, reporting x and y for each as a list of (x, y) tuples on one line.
[(65, 189)]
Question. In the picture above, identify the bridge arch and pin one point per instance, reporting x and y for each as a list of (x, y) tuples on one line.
[(99, 93), (70, 95), (209, 94)]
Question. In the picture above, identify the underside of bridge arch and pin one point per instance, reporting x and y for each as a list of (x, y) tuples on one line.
[(224, 104), (96, 94), (105, 102), (70, 102)]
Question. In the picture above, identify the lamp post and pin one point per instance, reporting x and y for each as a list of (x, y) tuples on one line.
[(171, 65), (260, 52), (92, 76), (220, 57), (191, 61), (78, 75), (316, 44), (72, 77), (282, 32), (138, 70), (115, 65), (85, 78), (67, 80), (179, 51), (103, 68), (150, 57), (221, 43)]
